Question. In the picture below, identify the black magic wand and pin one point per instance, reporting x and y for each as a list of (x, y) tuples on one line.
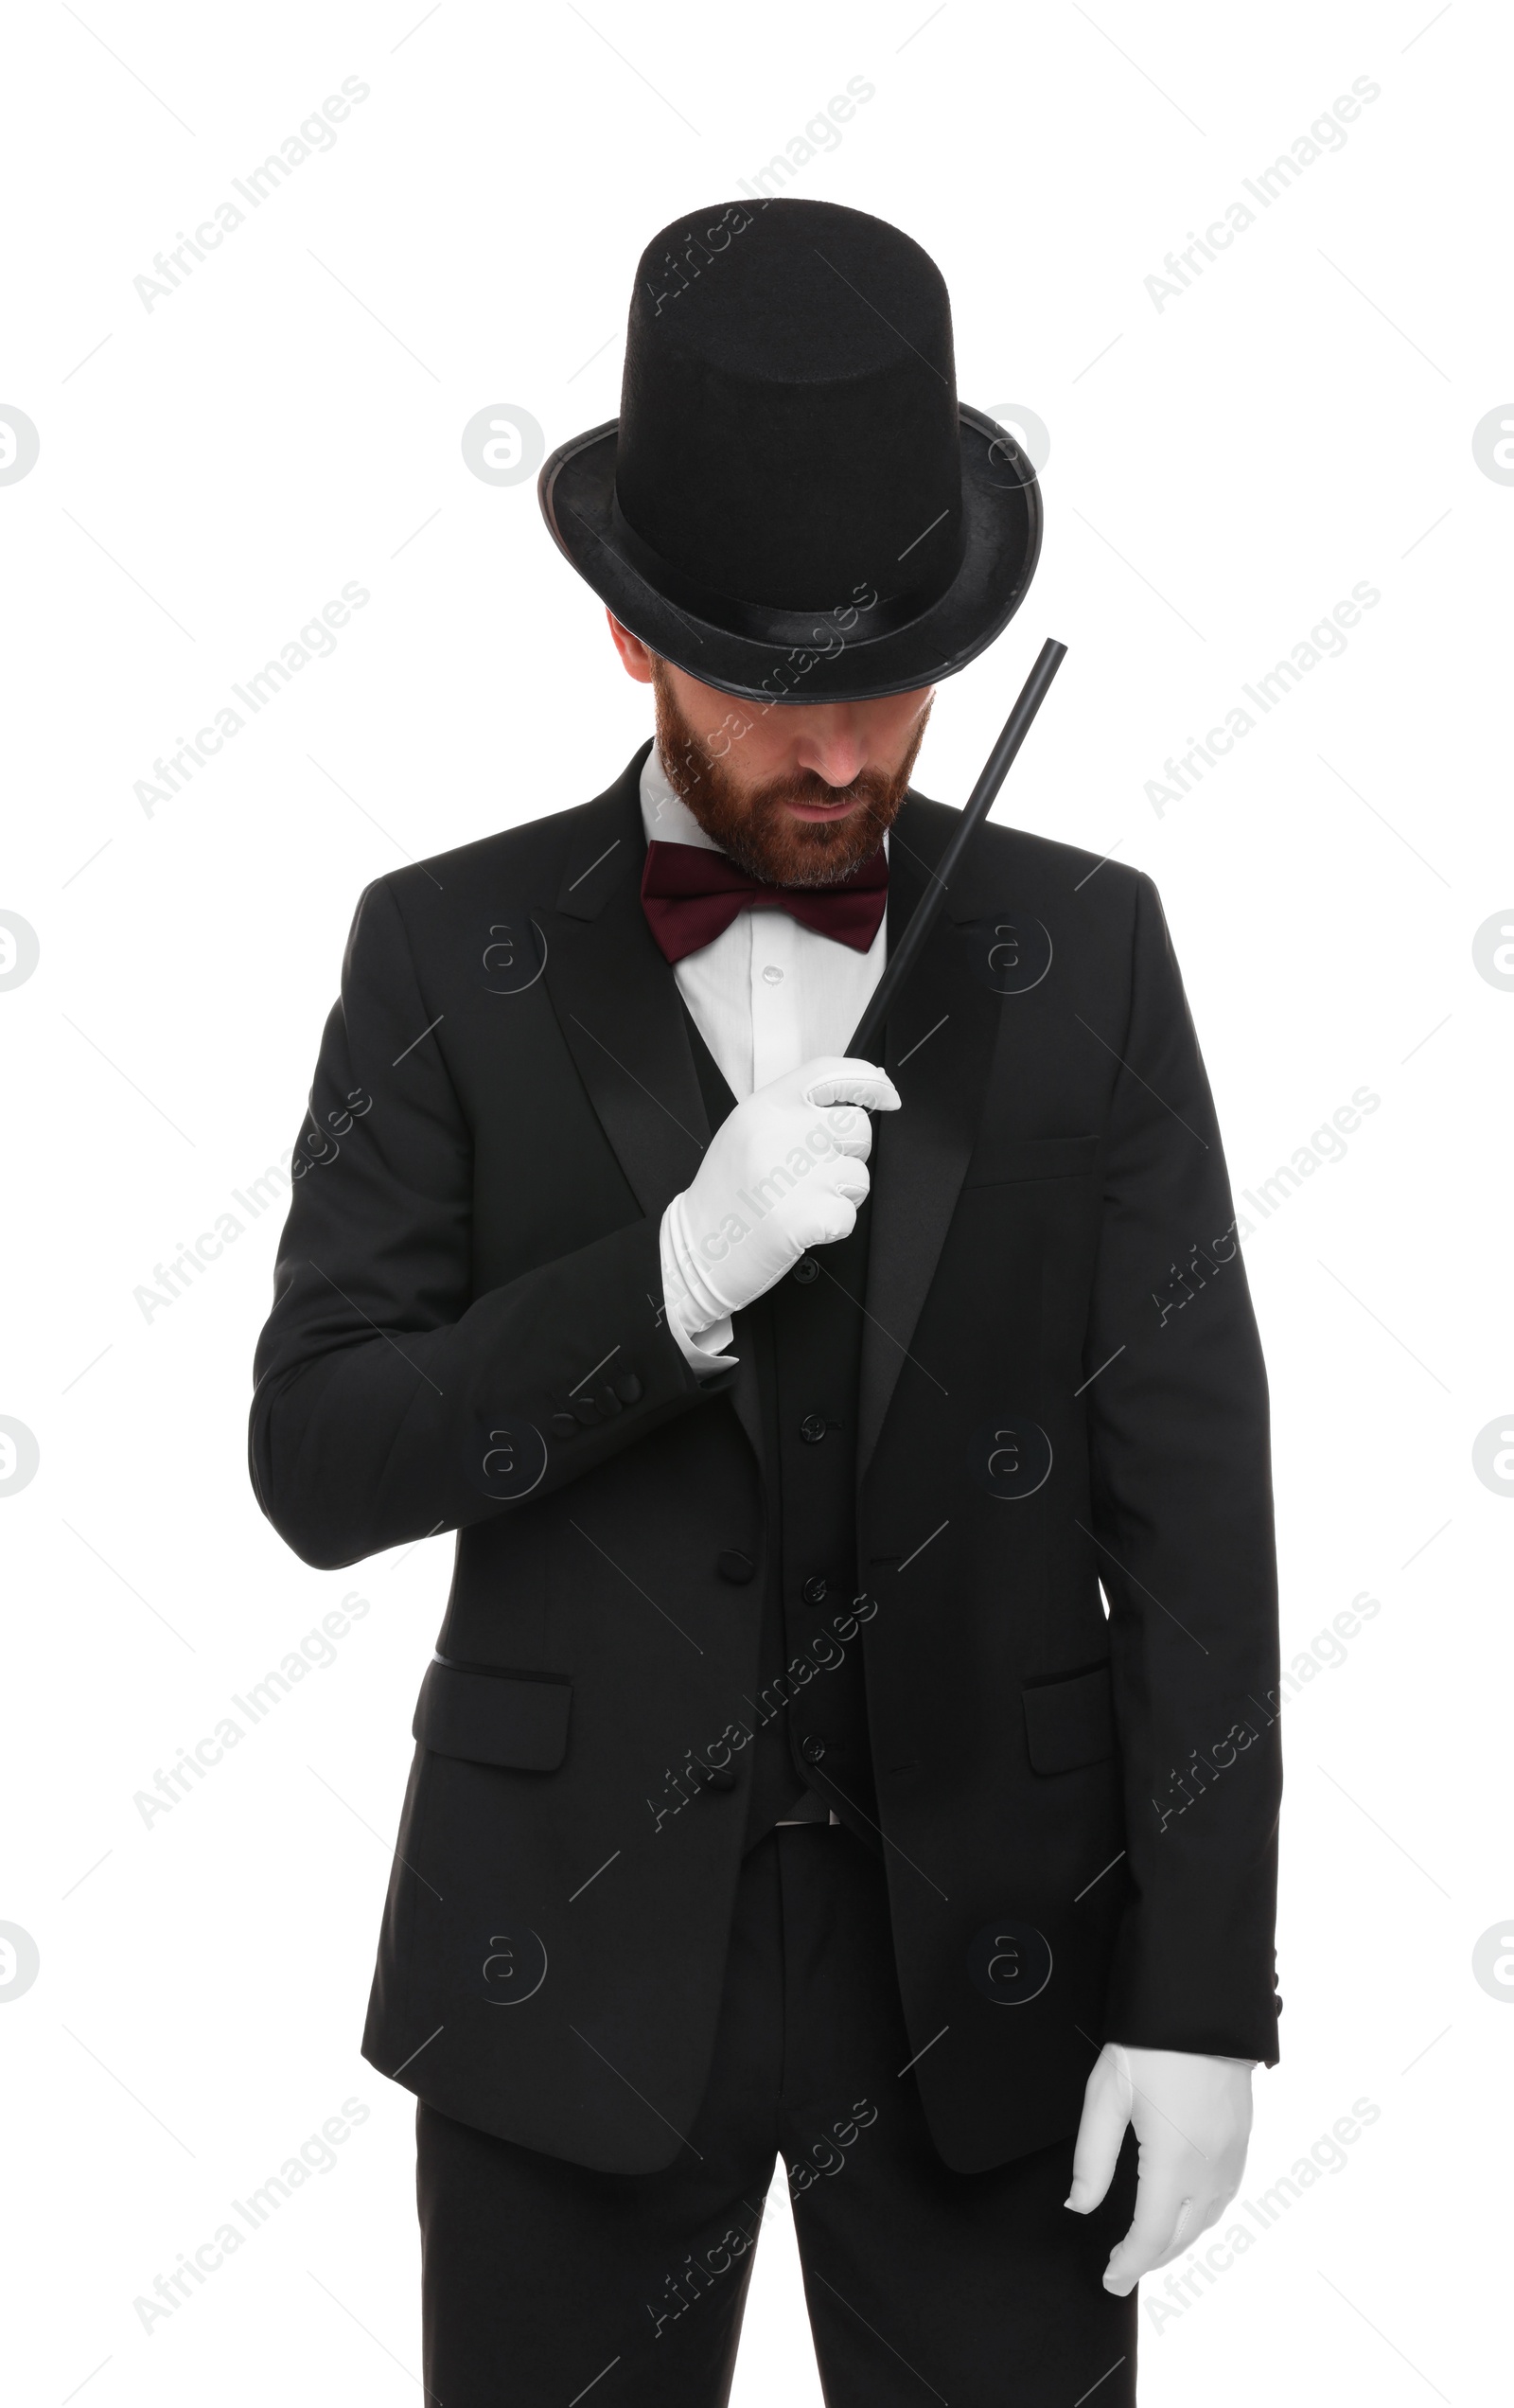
[(902, 960)]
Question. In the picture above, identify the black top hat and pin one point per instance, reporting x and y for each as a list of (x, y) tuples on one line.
[(793, 506)]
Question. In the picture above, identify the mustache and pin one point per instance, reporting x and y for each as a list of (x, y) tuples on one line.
[(869, 787)]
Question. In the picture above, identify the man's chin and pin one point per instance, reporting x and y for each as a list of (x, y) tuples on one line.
[(808, 854)]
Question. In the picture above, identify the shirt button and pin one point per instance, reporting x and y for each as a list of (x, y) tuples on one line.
[(811, 1429), (814, 1591), (772, 975), (806, 1270), (812, 1751)]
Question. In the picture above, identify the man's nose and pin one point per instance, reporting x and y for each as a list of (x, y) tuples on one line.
[(835, 755)]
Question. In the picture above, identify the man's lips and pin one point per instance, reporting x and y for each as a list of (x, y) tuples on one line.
[(825, 810)]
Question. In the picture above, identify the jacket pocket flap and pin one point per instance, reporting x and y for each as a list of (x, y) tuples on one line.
[(519, 1719), (1071, 1721), (999, 1159)]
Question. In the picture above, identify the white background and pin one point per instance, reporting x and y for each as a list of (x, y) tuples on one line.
[(1223, 470)]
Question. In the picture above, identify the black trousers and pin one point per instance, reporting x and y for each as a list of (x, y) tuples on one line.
[(546, 2283)]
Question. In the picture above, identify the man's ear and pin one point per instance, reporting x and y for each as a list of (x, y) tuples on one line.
[(635, 658)]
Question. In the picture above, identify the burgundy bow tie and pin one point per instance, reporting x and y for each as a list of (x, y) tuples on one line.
[(690, 896)]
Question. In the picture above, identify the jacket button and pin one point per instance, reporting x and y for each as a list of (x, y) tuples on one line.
[(563, 1424), (814, 1591), (628, 1389), (811, 1429), (734, 1566), (585, 1410), (807, 1269), (812, 1751)]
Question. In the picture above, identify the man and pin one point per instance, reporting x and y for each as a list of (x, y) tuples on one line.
[(783, 1785)]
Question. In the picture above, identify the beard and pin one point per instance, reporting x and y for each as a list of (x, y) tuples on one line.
[(750, 823)]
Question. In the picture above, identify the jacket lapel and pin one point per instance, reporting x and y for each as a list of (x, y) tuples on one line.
[(938, 1046), (617, 1003)]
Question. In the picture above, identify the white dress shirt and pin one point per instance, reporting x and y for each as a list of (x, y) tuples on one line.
[(765, 996)]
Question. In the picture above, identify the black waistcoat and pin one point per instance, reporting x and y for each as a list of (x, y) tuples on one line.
[(809, 1715)]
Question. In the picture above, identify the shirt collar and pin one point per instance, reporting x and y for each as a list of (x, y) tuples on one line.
[(665, 817)]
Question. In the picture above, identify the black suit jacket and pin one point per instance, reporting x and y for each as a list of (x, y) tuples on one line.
[(1061, 1385)]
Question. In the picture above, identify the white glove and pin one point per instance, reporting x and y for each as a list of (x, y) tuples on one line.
[(785, 1171), (1193, 2119)]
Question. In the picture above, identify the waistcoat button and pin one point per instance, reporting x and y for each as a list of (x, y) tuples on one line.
[(814, 1591), (811, 1429)]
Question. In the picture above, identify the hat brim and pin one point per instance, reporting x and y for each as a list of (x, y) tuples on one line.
[(1002, 518)]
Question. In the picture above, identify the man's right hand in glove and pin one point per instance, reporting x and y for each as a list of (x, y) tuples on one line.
[(784, 1172)]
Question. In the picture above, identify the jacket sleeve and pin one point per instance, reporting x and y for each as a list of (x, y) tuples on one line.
[(390, 1401), (1183, 1526)]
